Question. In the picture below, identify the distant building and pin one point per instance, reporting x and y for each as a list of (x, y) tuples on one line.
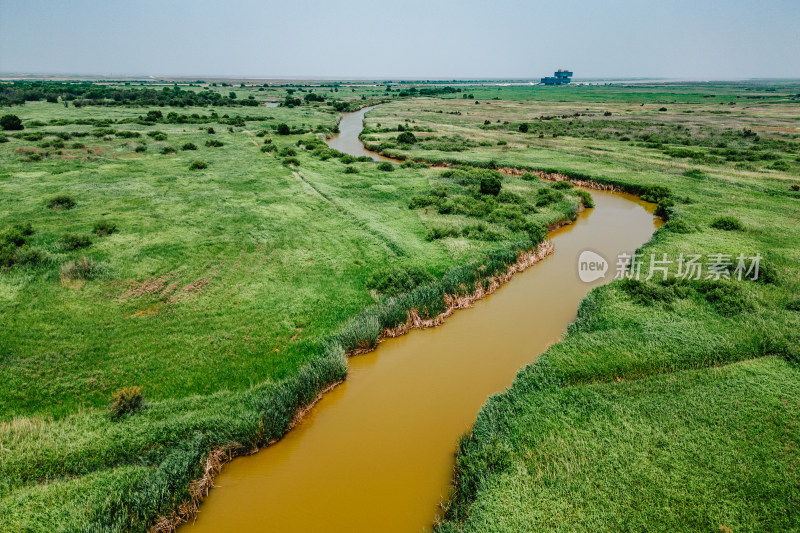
[(562, 77)]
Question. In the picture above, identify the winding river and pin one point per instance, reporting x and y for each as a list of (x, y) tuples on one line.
[(377, 452)]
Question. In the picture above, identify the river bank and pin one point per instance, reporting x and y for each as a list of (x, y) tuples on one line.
[(387, 471)]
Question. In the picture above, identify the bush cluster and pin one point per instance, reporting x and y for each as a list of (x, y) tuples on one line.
[(727, 223), (14, 249), (75, 241), (62, 201), (83, 268), (103, 228), (126, 401)]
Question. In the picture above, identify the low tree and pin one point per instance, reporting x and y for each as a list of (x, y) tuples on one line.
[(11, 122), (406, 138), (490, 185)]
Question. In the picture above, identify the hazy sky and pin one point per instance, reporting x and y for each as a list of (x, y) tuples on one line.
[(704, 39)]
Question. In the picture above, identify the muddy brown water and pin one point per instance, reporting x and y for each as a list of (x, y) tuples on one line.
[(377, 452), (347, 140)]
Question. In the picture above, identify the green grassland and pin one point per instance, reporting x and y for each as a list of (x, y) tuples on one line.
[(669, 405), (228, 293)]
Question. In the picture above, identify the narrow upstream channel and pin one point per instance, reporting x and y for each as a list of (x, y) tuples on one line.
[(377, 452), (347, 140)]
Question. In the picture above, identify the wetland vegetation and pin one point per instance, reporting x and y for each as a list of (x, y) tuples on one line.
[(182, 268)]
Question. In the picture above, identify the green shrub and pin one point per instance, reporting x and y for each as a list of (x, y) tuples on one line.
[(3, 139), (727, 297), (406, 138), (189, 146), (490, 185), (537, 231), (439, 191), (664, 209), (103, 228), (793, 305), (83, 268), (647, 292), (157, 135), (126, 401), (28, 255), (33, 136), (8, 255), (268, 148), (677, 226), (198, 165), (361, 333), (394, 280), (213, 143), (420, 200), (727, 223), (283, 129), (510, 215), (350, 170), (528, 176), (480, 232), (385, 166), (585, 196), (508, 197), (548, 196), (17, 235), (62, 201), (168, 150), (11, 123), (287, 152), (523, 128), (654, 193), (695, 174), (74, 241), (439, 232), (140, 148), (562, 185), (291, 161), (210, 131)]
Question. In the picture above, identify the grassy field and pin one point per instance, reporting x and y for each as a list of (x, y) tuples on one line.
[(669, 405), (220, 264)]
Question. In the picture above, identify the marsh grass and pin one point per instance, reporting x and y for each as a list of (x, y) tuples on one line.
[(697, 380)]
